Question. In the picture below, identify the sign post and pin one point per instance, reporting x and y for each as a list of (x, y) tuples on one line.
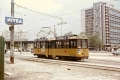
[(12, 21), (12, 34)]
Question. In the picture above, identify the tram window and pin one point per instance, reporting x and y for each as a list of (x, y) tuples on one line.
[(75, 43), (42, 44), (65, 44), (84, 43), (35, 45), (79, 44), (58, 44), (71, 44), (54, 44), (51, 44), (68, 46), (38, 44), (61, 46), (46, 44)]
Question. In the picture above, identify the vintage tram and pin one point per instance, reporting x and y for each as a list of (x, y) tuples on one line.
[(62, 47)]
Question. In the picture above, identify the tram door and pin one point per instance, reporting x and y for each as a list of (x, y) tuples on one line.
[(51, 49), (85, 46), (44, 48)]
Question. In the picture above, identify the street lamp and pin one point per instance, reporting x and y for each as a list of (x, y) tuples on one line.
[(61, 25)]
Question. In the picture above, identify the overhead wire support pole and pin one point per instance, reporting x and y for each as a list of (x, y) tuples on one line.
[(61, 26), (12, 34)]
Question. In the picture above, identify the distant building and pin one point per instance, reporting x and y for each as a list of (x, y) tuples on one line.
[(18, 36), (104, 20)]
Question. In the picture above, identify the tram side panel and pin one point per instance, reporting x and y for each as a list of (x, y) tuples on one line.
[(40, 51), (72, 52), (51, 53), (65, 52)]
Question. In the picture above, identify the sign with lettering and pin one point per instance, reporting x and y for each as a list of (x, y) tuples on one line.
[(13, 21), (61, 37)]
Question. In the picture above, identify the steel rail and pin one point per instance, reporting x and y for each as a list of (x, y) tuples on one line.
[(77, 64)]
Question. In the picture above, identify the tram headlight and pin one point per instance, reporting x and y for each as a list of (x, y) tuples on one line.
[(78, 51)]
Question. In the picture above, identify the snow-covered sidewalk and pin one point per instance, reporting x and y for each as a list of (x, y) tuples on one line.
[(27, 70)]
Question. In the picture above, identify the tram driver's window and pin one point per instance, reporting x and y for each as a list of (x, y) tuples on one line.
[(79, 44), (35, 45)]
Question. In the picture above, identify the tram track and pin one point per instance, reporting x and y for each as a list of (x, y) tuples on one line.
[(86, 64), (108, 62)]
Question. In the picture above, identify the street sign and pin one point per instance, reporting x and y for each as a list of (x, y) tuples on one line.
[(13, 21)]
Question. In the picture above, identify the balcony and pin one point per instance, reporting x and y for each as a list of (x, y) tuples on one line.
[(106, 26), (107, 19), (107, 31)]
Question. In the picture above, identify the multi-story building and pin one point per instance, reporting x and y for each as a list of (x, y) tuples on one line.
[(104, 20)]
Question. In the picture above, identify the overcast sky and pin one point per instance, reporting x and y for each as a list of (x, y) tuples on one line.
[(34, 21)]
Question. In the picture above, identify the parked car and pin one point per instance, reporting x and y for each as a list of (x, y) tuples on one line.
[(15, 50), (116, 52), (31, 50)]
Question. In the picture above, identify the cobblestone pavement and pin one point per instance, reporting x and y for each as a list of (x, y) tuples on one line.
[(27, 70)]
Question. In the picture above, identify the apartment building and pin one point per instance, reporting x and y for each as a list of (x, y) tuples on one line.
[(104, 20)]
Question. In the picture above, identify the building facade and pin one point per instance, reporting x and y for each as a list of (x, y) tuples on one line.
[(104, 20)]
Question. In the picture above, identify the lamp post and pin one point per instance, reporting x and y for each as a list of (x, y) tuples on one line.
[(61, 25)]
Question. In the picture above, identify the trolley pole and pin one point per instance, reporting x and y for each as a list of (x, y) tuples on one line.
[(61, 26), (12, 34)]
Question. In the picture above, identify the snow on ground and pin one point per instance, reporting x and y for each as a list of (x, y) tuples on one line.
[(27, 70)]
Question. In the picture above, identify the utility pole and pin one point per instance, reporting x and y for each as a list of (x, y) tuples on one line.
[(12, 34), (54, 31), (61, 26), (21, 41), (18, 39)]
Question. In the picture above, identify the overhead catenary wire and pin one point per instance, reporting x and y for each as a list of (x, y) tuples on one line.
[(37, 11), (44, 13), (41, 13), (47, 14), (56, 25)]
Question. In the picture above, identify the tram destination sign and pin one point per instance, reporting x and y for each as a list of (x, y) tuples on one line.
[(61, 37), (13, 21)]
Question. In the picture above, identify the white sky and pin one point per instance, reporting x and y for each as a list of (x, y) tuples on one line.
[(49, 7)]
